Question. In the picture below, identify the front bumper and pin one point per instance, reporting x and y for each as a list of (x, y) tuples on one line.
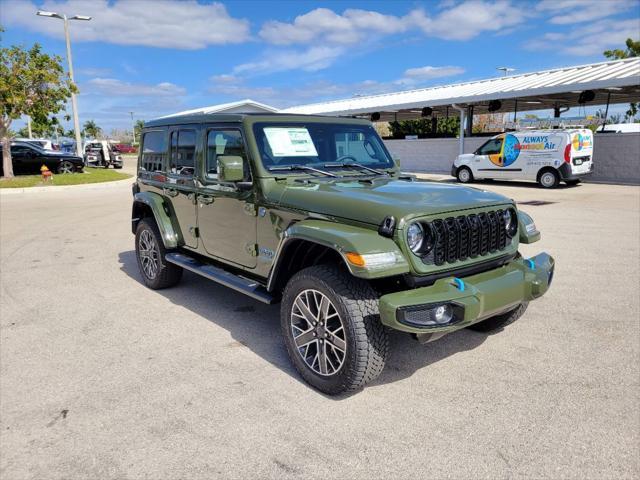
[(479, 297)]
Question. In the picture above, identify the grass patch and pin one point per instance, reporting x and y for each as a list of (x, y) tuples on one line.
[(90, 175)]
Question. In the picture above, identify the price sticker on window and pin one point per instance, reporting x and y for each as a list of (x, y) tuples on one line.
[(290, 142)]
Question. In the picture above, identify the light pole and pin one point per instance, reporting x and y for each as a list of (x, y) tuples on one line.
[(506, 70), (133, 132), (74, 103)]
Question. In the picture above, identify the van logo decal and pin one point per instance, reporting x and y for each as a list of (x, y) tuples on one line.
[(580, 141), (508, 153)]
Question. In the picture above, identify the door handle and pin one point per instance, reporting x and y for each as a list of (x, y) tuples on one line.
[(172, 192), (205, 199)]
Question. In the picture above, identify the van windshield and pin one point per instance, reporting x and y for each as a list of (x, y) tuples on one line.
[(319, 145)]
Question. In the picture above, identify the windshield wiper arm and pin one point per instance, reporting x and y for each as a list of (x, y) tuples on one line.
[(305, 168), (355, 165)]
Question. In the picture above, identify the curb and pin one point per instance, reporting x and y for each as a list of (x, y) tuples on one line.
[(67, 188)]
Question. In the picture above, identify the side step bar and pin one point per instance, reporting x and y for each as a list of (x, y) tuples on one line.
[(240, 284)]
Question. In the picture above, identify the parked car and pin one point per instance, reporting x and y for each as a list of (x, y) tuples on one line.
[(43, 143), (313, 213), (28, 158), (545, 156), (125, 148), (100, 153), (620, 128)]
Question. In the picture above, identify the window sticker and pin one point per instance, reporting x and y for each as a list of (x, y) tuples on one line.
[(290, 142)]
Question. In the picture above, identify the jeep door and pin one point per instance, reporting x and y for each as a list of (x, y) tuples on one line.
[(180, 189), (226, 214)]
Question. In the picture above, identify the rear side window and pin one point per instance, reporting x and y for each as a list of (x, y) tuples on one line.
[(183, 152), (154, 148)]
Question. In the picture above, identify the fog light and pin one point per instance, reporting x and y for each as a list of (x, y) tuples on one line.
[(442, 314), (430, 316)]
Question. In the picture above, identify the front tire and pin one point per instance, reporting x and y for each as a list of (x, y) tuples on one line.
[(464, 175), (500, 321), (331, 327), (156, 272)]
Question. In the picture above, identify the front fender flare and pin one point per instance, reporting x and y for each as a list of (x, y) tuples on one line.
[(162, 215), (343, 239)]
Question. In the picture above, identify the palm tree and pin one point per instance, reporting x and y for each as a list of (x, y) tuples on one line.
[(91, 129), (137, 130)]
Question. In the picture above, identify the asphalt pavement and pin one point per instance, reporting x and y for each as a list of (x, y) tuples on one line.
[(102, 378)]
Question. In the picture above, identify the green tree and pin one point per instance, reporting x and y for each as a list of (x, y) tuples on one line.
[(137, 130), (91, 129), (31, 83), (632, 50), (41, 128)]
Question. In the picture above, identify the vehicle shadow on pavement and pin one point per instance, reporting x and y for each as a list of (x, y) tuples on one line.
[(510, 183), (256, 326)]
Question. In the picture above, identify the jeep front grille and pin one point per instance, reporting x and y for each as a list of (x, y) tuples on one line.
[(466, 236)]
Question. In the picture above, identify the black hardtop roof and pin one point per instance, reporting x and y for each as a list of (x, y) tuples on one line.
[(239, 117)]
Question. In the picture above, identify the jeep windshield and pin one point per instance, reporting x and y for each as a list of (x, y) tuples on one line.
[(299, 147)]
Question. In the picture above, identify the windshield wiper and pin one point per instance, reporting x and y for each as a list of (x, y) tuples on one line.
[(355, 165), (304, 168)]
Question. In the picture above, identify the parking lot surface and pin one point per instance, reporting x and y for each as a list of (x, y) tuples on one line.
[(101, 377)]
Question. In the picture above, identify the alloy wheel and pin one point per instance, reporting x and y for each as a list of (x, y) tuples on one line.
[(148, 254), (67, 167), (318, 332)]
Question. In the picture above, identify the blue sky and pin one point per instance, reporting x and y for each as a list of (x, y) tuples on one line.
[(159, 57)]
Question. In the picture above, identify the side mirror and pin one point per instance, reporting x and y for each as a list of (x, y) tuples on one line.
[(230, 168)]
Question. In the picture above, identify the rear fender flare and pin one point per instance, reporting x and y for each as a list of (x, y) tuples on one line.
[(162, 215)]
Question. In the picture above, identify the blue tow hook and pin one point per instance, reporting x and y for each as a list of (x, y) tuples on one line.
[(531, 264), (459, 284)]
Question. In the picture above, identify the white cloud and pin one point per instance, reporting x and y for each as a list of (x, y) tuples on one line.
[(118, 88), (461, 21), (310, 60), (160, 23), (566, 12), (422, 74), (586, 40), (234, 87)]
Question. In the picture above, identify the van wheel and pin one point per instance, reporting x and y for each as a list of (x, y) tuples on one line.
[(332, 330), (464, 175), (549, 179)]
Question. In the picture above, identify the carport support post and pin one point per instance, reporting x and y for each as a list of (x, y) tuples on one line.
[(469, 120), (606, 112), (461, 140)]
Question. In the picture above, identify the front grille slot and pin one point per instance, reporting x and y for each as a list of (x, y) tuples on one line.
[(470, 236)]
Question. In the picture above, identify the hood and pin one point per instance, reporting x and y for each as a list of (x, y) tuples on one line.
[(370, 202), (466, 156)]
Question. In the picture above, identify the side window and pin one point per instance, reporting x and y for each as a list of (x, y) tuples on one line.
[(222, 142), (154, 148), (492, 147), (183, 152)]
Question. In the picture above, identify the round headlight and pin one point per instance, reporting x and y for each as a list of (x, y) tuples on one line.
[(510, 221), (415, 237)]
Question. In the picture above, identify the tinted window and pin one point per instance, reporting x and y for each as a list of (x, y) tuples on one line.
[(183, 152), (492, 147), (154, 148), (222, 142)]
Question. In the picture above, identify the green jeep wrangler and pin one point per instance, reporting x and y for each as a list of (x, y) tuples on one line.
[(313, 213)]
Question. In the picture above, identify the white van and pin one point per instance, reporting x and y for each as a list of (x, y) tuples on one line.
[(545, 156)]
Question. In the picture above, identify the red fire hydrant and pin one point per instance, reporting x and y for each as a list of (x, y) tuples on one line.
[(46, 173)]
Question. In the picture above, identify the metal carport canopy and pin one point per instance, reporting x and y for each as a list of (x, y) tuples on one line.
[(616, 80)]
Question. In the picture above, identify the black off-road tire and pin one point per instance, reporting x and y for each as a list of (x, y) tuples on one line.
[(464, 175), (366, 338), (167, 274), (500, 321)]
